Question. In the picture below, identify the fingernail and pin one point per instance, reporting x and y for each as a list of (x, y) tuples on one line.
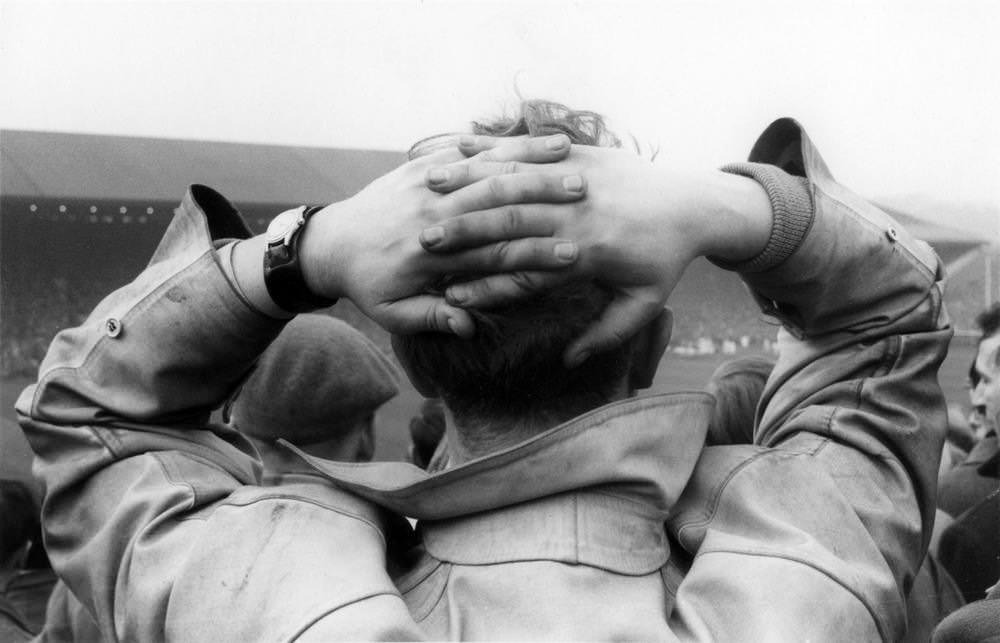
[(557, 142), (432, 236), (579, 358), (466, 141), (573, 183), (453, 325), (456, 297), (566, 251), (438, 175)]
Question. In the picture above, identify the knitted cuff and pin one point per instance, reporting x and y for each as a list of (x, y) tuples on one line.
[(792, 209)]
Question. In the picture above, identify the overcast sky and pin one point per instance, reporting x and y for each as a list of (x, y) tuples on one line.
[(901, 97)]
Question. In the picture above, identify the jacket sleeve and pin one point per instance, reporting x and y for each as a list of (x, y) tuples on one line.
[(822, 524), (153, 517)]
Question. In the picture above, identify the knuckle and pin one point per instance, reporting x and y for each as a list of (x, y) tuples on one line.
[(510, 167), (460, 173), (498, 253), (523, 187), (427, 210), (430, 317), (495, 187), (511, 220), (525, 281)]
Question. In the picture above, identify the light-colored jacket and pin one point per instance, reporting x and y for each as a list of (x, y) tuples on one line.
[(158, 523)]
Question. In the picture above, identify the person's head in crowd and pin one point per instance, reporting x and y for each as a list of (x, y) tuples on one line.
[(960, 434), (509, 382), (737, 386), (984, 374), (318, 385)]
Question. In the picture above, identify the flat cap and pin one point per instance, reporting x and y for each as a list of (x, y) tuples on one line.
[(313, 382)]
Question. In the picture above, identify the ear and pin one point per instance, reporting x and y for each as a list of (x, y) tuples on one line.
[(420, 379), (647, 349)]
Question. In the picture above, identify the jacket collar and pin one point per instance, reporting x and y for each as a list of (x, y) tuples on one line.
[(642, 450)]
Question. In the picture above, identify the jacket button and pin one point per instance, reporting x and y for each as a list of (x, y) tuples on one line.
[(892, 234), (112, 327)]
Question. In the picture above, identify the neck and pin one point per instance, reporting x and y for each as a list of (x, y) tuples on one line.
[(476, 438)]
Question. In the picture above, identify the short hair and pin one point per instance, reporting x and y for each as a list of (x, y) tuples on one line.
[(534, 118), (512, 369), (988, 321), (737, 385)]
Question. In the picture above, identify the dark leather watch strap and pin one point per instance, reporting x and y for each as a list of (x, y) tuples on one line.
[(283, 274)]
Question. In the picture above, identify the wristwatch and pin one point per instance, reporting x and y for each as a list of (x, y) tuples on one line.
[(282, 270)]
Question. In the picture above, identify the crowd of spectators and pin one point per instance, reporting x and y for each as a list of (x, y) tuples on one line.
[(34, 310)]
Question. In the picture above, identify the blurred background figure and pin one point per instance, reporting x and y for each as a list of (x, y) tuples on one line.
[(737, 386), (967, 540), (318, 386), (969, 492), (26, 578)]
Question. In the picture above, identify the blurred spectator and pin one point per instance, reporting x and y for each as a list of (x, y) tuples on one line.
[(25, 576), (960, 434), (964, 486), (970, 547), (737, 386), (977, 622), (317, 386)]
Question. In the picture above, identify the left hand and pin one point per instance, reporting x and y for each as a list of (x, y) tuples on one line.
[(367, 247)]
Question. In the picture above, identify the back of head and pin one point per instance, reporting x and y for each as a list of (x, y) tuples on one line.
[(313, 384), (988, 321), (511, 372), (737, 386)]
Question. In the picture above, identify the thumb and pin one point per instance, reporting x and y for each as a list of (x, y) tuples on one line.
[(425, 313), (623, 317)]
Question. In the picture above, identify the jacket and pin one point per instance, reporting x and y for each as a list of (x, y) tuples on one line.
[(157, 520)]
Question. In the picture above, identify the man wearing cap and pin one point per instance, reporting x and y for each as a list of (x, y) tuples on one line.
[(553, 528), (317, 386)]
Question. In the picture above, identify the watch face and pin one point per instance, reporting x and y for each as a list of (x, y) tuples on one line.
[(283, 225)]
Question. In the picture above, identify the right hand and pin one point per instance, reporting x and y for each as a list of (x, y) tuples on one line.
[(637, 230)]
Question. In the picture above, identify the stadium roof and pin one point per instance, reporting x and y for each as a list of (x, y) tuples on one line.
[(87, 166), (934, 233)]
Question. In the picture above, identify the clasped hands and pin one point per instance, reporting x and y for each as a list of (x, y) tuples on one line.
[(520, 215)]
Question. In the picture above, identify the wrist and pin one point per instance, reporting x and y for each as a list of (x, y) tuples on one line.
[(791, 215), (323, 254), (737, 225), (248, 272)]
